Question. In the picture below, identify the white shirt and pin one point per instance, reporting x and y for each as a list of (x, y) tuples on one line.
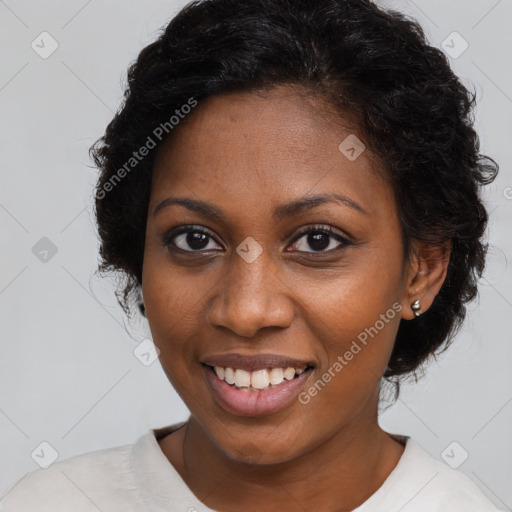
[(139, 478)]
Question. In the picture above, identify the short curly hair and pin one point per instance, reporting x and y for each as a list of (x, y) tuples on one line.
[(367, 62)]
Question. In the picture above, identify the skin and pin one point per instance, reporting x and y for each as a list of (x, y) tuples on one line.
[(247, 153)]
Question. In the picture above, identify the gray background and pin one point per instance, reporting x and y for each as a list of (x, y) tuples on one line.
[(68, 375)]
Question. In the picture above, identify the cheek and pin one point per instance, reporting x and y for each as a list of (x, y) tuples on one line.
[(171, 301), (170, 291), (356, 347), (356, 343), (355, 318), (345, 301)]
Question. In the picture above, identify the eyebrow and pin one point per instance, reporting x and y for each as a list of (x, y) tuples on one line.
[(280, 212)]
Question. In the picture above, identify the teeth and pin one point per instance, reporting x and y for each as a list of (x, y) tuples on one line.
[(289, 373), (259, 379), (229, 375), (276, 376), (242, 379)]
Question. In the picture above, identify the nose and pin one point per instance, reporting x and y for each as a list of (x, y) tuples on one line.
[(251, 296)]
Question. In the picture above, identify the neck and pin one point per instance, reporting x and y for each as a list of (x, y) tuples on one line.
[(340, 474)]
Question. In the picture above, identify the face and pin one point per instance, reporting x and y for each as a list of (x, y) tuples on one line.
[(271, 281)]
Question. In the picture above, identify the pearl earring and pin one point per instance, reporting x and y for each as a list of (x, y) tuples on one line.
[(416, 308)]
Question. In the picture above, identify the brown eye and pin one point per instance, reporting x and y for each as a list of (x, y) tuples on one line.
[(188, 239), (320, 238)]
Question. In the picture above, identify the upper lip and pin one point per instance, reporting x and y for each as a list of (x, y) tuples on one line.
[(254, 362)]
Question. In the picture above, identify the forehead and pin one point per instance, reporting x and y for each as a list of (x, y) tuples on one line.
[(256, 148)]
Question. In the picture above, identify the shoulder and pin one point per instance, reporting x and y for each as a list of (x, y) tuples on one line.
[(97, 480), (438, 487)]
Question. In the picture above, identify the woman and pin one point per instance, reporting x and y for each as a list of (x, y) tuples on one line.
[(294, 189)]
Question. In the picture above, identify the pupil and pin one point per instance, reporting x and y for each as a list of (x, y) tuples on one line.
[(315, 241), (196, 240)]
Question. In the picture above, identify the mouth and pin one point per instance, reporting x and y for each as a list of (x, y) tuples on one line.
[(265, 384), (258, 380)]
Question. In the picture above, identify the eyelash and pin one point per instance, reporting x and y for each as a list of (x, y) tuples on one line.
[(345, 242)]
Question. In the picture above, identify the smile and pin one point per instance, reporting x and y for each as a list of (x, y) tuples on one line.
[(256, 392), (259, 379)]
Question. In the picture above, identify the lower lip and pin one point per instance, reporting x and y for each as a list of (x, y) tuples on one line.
[(255, 403)]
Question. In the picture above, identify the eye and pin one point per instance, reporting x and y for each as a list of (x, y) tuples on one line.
[(188, 237), (195, 239), (318, 239)]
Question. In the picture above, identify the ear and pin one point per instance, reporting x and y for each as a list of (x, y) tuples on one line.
[(425, 275)]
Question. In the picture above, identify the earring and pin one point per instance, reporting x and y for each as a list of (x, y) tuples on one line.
[(416, 308)]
